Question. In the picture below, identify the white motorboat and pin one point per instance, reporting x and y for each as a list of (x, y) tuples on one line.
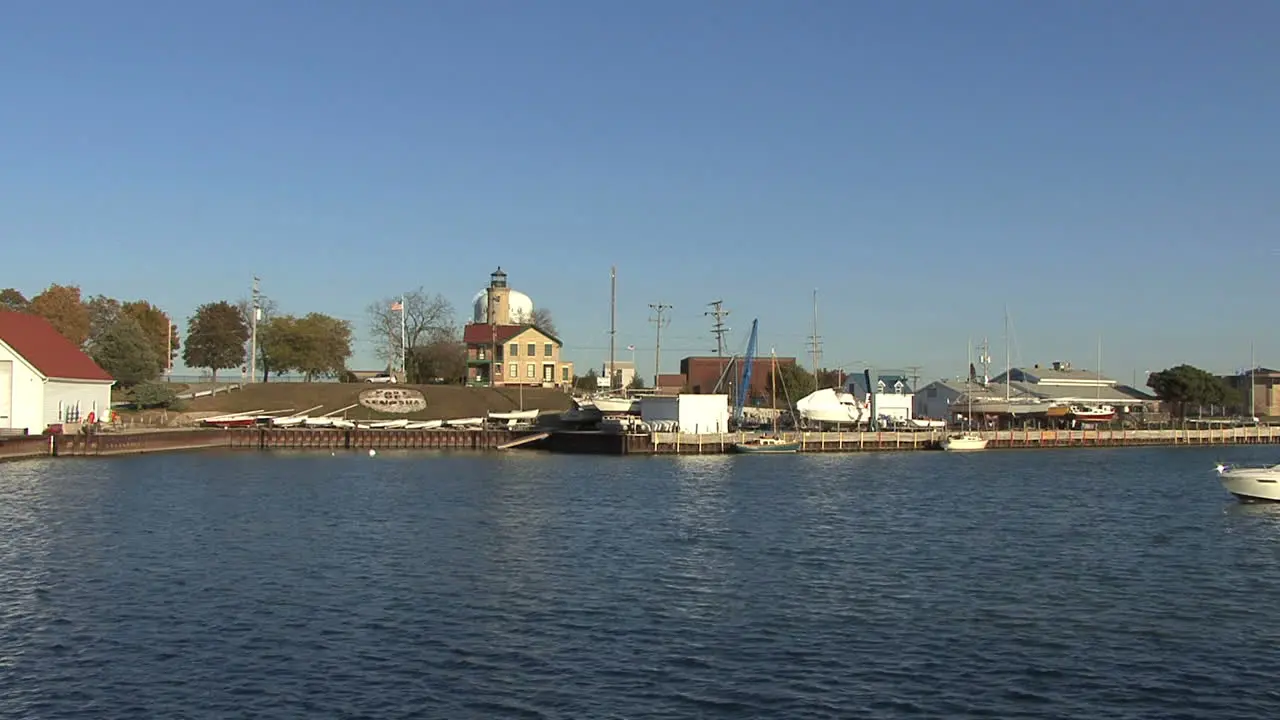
[(1258, 483), (832, 407), (964, 442)]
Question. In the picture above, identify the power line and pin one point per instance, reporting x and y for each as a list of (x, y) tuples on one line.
[(913, 372), (718, 328), (658, 308)]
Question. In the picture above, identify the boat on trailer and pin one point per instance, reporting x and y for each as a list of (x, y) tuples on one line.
[(1256, 483)]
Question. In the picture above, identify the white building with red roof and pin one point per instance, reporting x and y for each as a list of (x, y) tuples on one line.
[(45, 379)]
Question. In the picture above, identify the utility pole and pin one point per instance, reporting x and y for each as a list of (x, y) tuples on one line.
[(913, 372), (253, 332), (659, 309), (718, 328), (815, 340)]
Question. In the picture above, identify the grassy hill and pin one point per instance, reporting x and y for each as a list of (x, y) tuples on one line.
[(443, 402)]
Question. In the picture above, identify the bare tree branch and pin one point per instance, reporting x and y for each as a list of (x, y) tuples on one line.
[(427, 318), (545, 322)]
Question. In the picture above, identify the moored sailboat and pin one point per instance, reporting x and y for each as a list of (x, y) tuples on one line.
[(767, 444)]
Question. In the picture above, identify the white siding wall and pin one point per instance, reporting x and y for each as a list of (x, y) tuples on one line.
[(895, 406), (61, 396), (703, 413), (26, 395)]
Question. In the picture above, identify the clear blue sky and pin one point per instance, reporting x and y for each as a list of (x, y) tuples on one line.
[(1101, 168)]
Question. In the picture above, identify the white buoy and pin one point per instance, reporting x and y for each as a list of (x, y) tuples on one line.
[(372, 452)]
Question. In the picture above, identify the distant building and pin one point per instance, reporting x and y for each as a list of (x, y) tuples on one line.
[(702, 373), (512, 351), (1266, 390), (626, 370)]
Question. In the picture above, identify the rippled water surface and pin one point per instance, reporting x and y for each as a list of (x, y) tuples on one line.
[(1106, 584)]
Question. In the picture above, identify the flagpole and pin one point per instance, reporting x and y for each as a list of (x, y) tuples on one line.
[(404, 351)]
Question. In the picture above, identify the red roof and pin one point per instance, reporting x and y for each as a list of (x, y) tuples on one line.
[(482, 334), (54, 356)]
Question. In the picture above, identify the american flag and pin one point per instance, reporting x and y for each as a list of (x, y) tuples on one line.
[(631, 347), (397, 307)]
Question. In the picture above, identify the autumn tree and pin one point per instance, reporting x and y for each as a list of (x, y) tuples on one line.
[(12, 299), (161, 333), (427, 319), (125, 352), (444, 358), (62, 307), (276, 344), (588, 382), (216, 335)]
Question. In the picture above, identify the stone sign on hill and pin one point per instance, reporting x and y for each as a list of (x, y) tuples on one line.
[(393, 401)]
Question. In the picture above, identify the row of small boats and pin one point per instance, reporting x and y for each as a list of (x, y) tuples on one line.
[(334, 419)]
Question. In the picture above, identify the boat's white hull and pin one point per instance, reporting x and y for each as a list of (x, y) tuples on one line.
[(1251, 484), (619, 406), (964, 443), (514, 415), (465, 422), (831, 407)]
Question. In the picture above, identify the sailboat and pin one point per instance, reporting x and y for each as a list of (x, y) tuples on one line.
[(769, 444), (967, 440)]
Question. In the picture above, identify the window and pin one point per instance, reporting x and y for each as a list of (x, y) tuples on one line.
[(564, 373), (497, 369), (533, 349), (513, 371), (549, 349), (531, 371), (479, 353), (514, 350)]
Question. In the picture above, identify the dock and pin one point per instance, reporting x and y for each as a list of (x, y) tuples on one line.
[(594, 442), (587, 442)]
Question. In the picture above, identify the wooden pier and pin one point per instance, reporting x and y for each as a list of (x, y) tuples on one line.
[(382, 439), (690, 444)]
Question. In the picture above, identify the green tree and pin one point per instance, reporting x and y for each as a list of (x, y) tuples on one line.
[(125, 352), (790, 383), (11, 299), (152, 395), (216, 335), (588, 382), (278, 345), (443, 358), (62, 307), (103, 313), (1187, 386), (322, 345), (161, 332), (637, 382)]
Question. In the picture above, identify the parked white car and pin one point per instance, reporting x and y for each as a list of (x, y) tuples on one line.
[(381, 378)]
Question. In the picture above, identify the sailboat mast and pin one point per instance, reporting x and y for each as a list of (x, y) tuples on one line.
[(1253, 365), (773, 387), (816, 351), (613, 324), (1006, 359), (1098, 389)]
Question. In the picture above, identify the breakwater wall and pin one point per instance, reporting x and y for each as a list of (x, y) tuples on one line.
[(589, 442)]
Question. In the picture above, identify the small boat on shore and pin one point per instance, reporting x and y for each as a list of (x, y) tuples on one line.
[(1259, 483), (514, 415)]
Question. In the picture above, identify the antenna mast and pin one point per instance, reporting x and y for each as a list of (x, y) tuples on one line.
[(815, 340), (613, 324)]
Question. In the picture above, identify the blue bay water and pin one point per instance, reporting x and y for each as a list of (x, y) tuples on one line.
[(1074, 583)]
